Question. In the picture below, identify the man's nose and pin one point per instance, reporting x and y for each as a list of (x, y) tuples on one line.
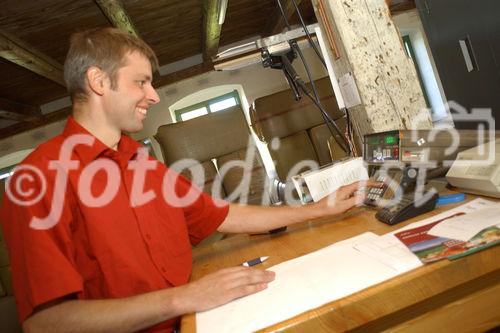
[(152, 96)]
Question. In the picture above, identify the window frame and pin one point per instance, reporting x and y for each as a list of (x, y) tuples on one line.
[(409, 48), (6, 172), (179, 112)]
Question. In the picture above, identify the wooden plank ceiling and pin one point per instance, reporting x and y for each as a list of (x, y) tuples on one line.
[(34, 38)]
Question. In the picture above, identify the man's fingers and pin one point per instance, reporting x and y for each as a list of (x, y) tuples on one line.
[(355, 200), (372, 183), (359, 198), (246, 290), (250, 276), (353, 187), (234, 277), (225, 285), (246, 282)]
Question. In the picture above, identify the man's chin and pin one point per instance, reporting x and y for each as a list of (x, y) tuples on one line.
[(134, 129)]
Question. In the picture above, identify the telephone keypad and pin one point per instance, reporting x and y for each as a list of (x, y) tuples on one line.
[(375, 193)]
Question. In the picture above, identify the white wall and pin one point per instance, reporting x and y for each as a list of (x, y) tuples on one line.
[(255, 81), (30, 139), (251, 82)]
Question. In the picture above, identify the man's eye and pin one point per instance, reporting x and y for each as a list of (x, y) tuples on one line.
[(142, 83)]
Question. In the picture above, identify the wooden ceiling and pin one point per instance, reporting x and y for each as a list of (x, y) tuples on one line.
[(34, 39)]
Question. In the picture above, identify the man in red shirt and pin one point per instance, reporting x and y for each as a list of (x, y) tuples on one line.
[(99, 233)]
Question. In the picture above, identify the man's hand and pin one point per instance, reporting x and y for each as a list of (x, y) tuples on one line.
[(347, 197), (222, 287)]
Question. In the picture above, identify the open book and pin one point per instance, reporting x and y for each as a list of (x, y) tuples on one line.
[(429, 248)]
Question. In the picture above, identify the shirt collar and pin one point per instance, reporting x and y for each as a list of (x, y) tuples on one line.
[(127, 147)]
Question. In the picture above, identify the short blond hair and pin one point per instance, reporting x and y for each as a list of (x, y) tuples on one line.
[(104, 48)]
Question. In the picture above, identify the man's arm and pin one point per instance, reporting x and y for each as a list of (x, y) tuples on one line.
[(139, 312), (249, 219)]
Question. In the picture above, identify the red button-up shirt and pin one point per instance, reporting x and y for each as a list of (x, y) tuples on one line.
[(97, 251)]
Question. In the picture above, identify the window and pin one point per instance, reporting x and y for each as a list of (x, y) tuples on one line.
[(212, 105), (411, 53), (10, 161), (6, 172)]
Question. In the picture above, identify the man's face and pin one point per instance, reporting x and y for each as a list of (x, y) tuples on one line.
[(126, 106)]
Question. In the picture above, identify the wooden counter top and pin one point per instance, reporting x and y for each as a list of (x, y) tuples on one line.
[(455, 296)]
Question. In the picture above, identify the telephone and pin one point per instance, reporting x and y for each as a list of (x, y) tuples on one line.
[(401, 182), (398, 180), (409, 206)]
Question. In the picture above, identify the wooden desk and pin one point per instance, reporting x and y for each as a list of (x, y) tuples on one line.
[(445, 296)]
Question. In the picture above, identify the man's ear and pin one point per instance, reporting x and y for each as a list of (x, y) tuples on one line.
[(96, 80)]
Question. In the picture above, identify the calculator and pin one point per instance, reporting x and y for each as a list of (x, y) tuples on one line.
[(375, 193)]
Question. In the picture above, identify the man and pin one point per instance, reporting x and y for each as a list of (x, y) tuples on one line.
[(100, 249)]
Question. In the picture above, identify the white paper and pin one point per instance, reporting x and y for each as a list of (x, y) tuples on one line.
[(464, 227), (389, 250), (327, 180), (349, 90), (301, 284), (466, 208)]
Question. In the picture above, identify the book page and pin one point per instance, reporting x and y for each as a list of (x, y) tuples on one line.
[(466, 226)]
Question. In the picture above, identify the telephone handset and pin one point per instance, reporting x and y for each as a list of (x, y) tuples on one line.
[(408, 207)]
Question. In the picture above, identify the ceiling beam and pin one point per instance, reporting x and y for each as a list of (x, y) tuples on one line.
[(15, 116), (396, 6), (276, 23), (117, 15), (212, 28), (26, 126), (18, 111), (15, 50)]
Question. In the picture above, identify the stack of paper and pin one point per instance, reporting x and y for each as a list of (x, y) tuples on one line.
[(310, 281)]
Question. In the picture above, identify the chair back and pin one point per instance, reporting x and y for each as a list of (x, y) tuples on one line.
[(298, 125), (221, 143)]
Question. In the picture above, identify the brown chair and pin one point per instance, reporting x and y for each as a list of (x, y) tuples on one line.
[(299, 126), (214, 140)]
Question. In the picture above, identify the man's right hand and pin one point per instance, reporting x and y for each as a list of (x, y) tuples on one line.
[(222, 287), (135, 313)]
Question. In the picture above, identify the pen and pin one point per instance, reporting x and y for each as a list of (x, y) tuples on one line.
[(255, 261)]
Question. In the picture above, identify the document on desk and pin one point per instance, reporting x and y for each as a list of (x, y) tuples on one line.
[(391, 252), (418, 238), (467, 208), (466, 226), (308, 282)]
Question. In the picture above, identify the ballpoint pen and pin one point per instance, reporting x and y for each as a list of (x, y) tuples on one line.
[(255, 261)]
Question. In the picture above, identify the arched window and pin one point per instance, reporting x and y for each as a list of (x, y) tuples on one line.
[(215, 104)]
